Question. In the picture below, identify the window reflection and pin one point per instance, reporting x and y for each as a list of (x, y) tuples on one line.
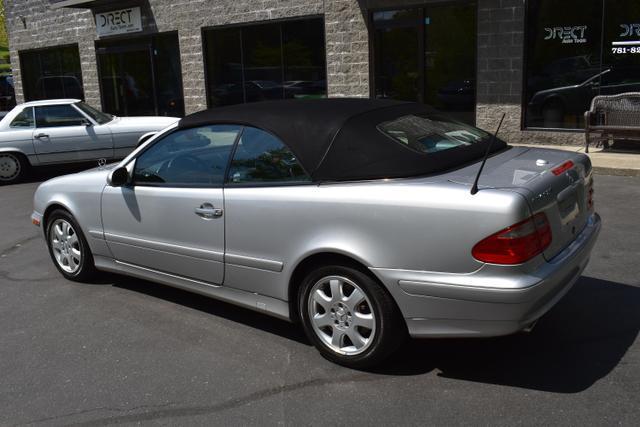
[(261, 157), (51, 73), (397, 54), (575, 52), (266, 61)]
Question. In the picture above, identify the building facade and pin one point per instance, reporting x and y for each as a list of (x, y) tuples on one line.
[(538, 61)]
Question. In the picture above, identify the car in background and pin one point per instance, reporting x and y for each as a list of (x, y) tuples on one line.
[(551, 107), (58, 87), (66, 131), (356, 218), (300, 89), (7, 95)]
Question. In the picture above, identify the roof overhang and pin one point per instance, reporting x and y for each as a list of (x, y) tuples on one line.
[(57, 4)]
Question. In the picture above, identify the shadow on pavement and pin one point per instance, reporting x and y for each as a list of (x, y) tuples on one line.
[(43, 173), (211, 306), (577, 343)]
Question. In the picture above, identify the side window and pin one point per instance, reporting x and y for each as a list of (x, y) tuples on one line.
[(57, 116), (24, 119), (188, 157), (261, 157)]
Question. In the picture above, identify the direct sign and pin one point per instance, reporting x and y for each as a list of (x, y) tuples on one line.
[(119, 22)]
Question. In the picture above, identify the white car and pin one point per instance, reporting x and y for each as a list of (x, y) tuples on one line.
[(67, 131)]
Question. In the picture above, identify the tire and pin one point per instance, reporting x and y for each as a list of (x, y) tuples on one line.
[(68, 247), (359, 327), (13, 168)]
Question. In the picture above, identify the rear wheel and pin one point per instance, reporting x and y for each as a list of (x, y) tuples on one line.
[(349, 317), (68, 247), (13, 167)]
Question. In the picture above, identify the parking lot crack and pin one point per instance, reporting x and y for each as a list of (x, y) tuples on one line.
[(166, 412), (17, 245), (99, 409)]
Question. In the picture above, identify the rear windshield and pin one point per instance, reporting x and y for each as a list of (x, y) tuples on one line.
[(431, 134)]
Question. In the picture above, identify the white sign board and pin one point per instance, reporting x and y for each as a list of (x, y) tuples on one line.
[(119, 22)]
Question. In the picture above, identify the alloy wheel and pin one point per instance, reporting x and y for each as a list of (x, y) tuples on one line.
[(341, 315), (65, 245)]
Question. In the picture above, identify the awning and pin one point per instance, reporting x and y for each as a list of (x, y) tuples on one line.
[(57, 4)]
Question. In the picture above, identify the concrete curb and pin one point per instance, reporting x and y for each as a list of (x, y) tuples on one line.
[(601, 170)]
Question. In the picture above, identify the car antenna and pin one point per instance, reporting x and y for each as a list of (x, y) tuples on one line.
[(474, 189)]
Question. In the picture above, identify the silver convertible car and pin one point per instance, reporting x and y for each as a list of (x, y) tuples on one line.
[(66, 131), (355, 218)]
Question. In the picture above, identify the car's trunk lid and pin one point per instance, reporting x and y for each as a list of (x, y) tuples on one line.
[(563, 195)]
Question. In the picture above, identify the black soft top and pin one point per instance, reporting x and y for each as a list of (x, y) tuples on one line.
[(337, 139)]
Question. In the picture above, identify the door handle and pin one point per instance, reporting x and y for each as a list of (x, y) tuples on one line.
[(42, 135), (207, 211)]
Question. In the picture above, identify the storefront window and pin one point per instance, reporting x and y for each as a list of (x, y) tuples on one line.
[(575, 50), (141, 76), (51, 73), (428, 55), (265, 61)]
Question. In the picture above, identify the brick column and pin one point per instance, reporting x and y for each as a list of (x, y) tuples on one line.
[(89, 67), (347, 45), (193, 79), (500, 47)]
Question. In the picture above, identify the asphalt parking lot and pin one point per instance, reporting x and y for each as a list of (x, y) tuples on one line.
[(125, 351)]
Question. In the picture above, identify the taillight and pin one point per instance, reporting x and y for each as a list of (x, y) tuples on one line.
[(563, 168), (516, 244), (590, 201)]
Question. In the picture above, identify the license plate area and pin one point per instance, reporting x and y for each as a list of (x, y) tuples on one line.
[(568, 205)]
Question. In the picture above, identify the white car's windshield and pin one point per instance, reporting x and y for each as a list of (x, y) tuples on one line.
[(100, 117)]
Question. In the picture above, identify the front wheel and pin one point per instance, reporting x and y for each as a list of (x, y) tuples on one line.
[(349, 317), (13, 168), (68, 247)]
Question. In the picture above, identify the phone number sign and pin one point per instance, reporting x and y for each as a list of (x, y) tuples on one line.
[(119, 22)]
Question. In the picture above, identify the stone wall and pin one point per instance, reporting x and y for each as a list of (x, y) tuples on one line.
[(499, 66)]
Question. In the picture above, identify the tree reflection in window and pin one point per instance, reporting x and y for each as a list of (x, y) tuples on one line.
[(261, 157)]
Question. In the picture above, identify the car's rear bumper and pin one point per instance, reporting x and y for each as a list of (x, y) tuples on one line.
[(491, 301)]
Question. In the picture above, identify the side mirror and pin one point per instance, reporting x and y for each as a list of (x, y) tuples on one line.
[(85, 122), (118, 177)]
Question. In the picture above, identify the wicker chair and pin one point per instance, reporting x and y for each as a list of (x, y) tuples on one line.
[(613, 117)]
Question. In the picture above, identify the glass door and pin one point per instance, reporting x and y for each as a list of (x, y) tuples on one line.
[(397, 46), (141, 77), (428, 55), (126, 76), (450, 59)]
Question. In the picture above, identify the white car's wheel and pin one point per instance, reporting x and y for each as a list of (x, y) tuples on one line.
[(349, 317), (13, 167), (68, 247)]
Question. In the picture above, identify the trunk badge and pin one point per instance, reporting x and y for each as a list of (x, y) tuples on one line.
[(541, 162)]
